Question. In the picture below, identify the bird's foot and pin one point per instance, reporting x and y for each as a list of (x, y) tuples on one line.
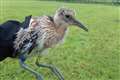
[(53, 69), (57, 72), (39, 77)]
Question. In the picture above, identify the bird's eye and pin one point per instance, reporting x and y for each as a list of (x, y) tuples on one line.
[(67, 16)]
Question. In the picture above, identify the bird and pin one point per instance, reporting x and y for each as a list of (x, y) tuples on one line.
[(43, 32)]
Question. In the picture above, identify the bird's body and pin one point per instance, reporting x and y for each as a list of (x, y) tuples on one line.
[(48, 34)]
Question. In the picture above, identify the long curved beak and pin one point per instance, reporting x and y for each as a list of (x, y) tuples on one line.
[(79, 24)]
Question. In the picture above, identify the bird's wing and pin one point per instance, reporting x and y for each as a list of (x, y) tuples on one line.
[(8, 32), (25, 42)]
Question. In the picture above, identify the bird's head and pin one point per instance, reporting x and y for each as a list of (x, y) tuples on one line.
[(65, 17)]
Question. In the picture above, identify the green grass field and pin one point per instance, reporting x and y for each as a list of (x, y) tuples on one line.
[(83, 56)]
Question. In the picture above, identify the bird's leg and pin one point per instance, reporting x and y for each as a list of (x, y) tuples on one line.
[(22, 59), (52, 68)]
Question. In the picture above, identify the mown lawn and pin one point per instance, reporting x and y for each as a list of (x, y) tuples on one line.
[(83, 56)]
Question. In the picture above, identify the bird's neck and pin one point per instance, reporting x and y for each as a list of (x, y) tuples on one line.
[(61, 31), (59, 27)]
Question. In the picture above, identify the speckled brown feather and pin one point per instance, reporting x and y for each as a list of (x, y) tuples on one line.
[(48, 33)]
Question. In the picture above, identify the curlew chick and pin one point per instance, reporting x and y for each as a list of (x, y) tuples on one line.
[(44, 32)]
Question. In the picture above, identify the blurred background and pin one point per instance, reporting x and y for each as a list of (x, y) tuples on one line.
[(91, 1), (83, 56)]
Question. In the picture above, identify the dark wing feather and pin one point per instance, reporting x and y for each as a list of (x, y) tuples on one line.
[(7, 36), (25, 23), (27, 45)]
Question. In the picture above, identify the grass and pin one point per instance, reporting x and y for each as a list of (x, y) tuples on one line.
[(83, 56)]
